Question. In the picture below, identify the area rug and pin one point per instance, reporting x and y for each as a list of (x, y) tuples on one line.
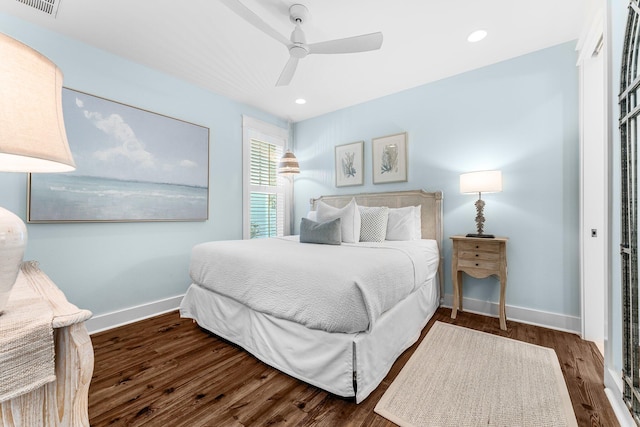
[(461, 377)]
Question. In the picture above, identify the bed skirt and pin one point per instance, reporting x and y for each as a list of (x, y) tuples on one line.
[(327, 360)]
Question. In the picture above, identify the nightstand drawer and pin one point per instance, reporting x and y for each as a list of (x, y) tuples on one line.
[(488, 246), (478, 255), (479, 264)]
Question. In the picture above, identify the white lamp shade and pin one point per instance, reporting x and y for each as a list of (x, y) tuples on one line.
[(481, 182), (32, 133)]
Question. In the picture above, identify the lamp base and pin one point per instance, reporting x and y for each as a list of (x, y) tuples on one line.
[(13, 239), (484, 236)]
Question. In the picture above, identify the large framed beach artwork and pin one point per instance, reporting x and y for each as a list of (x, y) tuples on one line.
[(131, 165), (349, 164)]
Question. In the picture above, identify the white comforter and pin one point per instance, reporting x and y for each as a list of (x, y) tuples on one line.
[(341, 288)]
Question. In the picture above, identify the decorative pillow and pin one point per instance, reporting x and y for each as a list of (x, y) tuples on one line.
[(373, 223), (327, 233), (417, 231), (350, 219), (404, 223)]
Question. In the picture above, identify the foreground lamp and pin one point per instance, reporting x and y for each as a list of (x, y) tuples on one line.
[(32, 138), (288, 164), (480, 182)]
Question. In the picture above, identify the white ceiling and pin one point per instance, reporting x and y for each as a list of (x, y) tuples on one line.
[(205, 43)]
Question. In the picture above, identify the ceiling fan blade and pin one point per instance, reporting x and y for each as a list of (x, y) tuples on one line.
[(287, 73), (248, 15), (355, 44)]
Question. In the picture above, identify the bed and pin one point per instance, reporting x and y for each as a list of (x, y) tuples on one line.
[(291, 324)]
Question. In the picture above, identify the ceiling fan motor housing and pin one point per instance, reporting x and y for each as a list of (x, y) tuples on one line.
[(298, 49)]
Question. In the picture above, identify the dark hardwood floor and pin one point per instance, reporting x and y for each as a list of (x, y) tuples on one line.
[(166, 371)]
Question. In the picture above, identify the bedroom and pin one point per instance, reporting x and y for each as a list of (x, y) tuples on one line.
[(150, 276)]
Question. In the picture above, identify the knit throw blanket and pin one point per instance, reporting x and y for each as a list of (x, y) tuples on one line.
[(27, 358)]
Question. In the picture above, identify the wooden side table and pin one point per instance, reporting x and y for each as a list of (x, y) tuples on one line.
[(479, 258), (63, 402)]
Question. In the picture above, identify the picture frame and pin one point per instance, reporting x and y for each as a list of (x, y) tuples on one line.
[(349, 164), (132, 165), (389, 158)]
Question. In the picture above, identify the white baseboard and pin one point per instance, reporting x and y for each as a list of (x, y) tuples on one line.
[(103, 322), (561, 322), (128, 315), (613, 390)]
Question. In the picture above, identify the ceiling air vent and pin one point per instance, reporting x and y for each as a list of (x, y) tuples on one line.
[(50, 7)]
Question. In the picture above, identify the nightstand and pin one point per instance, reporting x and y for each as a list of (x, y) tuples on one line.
[(479, 258)]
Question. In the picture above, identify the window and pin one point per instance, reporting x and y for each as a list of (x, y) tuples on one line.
[(266, 191), (266, 194)]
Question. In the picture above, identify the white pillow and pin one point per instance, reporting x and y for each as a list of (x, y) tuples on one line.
[(349, 219), (313, 216), (404, 223), (373, 223), (417, 231)]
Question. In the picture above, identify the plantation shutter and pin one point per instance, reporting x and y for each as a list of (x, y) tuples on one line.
[(266, 191)]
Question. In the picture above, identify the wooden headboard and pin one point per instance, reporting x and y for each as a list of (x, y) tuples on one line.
[(431, 211)]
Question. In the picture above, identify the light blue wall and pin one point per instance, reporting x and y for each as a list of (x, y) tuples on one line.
[(520, 116), (107, 267)]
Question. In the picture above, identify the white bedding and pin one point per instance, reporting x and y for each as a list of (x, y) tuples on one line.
[(344, 364), (343, 288)]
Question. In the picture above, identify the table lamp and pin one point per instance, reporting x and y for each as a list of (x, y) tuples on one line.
[(32, 138), (480, 182)]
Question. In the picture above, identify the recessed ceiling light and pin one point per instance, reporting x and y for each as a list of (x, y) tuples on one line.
[(301, 101), (476, 36)]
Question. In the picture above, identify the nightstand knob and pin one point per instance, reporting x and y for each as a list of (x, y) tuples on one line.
[(477, 246), (477, 264), (476, 254)]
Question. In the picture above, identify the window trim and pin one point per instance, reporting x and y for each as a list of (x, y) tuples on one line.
[(257, 129)]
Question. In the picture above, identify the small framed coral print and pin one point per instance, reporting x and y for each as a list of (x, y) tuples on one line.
[(349, 164), (389, 158)]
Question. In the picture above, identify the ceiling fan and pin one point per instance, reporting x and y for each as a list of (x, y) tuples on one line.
[(297, 44)]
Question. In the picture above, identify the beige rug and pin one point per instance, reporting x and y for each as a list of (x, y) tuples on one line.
[(461, 377)]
